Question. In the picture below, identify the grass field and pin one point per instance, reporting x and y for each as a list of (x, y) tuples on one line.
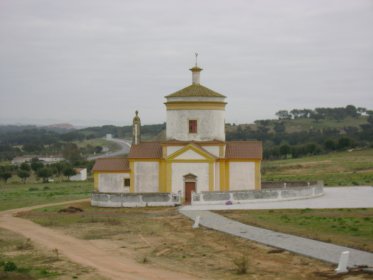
[(162, 237), (20, 259), (335, 169), (23, 195), (348, 227)]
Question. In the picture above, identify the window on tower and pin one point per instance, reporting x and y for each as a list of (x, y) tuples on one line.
[(192, 126)]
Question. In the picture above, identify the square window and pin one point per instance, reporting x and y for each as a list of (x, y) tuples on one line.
[(127, 182), (192, 126)]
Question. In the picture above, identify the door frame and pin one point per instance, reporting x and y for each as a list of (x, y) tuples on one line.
[(189, 178)]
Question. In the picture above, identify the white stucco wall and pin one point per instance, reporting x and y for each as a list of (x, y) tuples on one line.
[(179, 170), (146, 175), (173, 149), (189, 154), (112, 182), (212, 150), (241, 176), (210, 125)]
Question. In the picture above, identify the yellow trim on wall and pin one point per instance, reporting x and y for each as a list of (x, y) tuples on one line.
[(227, 175), (132, 177), (168, 176), (211, 177), (162, 176), (95, 181), (195, 106), (258, 183), (222, 175), (207, 156)]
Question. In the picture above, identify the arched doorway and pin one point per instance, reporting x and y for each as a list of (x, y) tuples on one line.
[(190, 181)]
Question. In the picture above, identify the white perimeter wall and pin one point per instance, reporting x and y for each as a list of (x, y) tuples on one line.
[(241, 176), (112, 182), (81, 176), (210, 125), (146, 176), (179, 170)]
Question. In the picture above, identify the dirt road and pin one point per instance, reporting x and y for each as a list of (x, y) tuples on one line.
[(107, 263)]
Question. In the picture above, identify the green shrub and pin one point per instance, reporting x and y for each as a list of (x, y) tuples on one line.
[(10, 266)]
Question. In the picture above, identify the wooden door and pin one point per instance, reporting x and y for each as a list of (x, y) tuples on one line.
[(189, 188)]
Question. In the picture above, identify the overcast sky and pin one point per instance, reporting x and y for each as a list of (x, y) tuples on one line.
[(95, 62)]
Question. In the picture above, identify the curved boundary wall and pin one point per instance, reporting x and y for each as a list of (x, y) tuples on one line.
[(252, 196), (134, 199)]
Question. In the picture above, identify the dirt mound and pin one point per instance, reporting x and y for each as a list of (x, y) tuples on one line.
[(70, 209)]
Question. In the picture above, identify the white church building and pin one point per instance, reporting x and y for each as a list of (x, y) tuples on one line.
[(195, 157)]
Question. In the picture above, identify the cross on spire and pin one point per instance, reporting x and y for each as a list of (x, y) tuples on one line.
[(196, 58)]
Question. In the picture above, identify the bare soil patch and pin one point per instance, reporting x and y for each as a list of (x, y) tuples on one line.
[(163, 238)]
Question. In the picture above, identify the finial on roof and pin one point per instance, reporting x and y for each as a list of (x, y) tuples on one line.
[(196, 72)]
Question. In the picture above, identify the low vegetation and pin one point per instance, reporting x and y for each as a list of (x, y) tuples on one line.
[(348, 227), (335, 169), (161, 237), (21, 260), (23, 195)]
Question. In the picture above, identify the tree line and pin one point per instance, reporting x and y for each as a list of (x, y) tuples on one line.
[(42, 171), (338, 113), (280, 143)]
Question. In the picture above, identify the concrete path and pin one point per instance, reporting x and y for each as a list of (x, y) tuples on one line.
[(308, 247), (334, 197)]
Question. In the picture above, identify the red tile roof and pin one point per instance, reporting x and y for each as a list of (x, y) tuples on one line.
[(111, 164), (149, 150), (244, 150)]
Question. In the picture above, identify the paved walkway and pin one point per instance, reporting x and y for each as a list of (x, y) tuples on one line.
[(334, 197), (308, 247)]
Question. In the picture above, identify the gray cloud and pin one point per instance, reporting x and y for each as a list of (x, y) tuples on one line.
[(95, 62)]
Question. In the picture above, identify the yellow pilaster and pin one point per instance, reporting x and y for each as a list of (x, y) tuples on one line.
[(132, 177), (169, 176), (257, 175), (162, 176), (227, 187), (95, 181), (211, 176), (222, 175)]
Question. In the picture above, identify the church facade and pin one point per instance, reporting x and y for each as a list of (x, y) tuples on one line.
[(194, 157)]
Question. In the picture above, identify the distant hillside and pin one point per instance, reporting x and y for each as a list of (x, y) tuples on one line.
[(295, 133)]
